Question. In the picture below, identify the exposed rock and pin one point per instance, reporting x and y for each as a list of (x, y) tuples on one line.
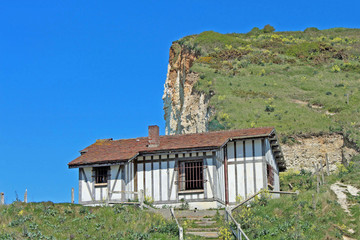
[(186, 111), (307, 150)]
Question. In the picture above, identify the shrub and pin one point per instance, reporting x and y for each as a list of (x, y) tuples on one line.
[(269, 108), (184, 204), (268, 29), (204, 59), (335, 69), (215, 125), (255, 31), (304, 50), (311, 29), (339, 85)]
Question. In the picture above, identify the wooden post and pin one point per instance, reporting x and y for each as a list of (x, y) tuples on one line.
[(2, 199), (141, 198), (313, 201), (25, 196), (317, 178), (327, 164), (72, 195), (226, 176), (347, 98), (322, 173)]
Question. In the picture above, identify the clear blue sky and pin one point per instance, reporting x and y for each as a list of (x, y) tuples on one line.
[(75, 71)]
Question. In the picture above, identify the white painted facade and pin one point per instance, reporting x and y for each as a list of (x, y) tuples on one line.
[(157, 175)]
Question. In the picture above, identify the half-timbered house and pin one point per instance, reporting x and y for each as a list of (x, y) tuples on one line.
[(207, 170)]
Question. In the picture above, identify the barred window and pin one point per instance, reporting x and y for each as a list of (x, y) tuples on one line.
[(101, 174), (191, 175)]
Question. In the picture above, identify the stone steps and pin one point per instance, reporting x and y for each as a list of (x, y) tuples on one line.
[(203, 229), (202, 224), (205, 234)]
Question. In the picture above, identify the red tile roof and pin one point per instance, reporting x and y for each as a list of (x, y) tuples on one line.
[(109, 151)]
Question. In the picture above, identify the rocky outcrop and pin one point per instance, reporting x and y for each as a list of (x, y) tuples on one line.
[(186, 110), (306, 150)]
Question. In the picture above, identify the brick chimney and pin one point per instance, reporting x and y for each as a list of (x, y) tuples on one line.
[(154, 138)]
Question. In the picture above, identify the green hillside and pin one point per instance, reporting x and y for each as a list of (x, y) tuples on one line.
[(302, 216), (69, 221), (298, 82)]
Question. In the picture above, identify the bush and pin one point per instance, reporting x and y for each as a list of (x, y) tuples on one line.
[(335, 69), (268, 29), (269, 108), (304, 50), (255, 31), (215, 125), (311, 29)]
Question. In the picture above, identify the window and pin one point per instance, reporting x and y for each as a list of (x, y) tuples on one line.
[(191, 176), (270, 175), (101, 175)]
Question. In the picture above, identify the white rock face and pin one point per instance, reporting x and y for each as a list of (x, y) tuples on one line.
[(308, 150), (186, 110)]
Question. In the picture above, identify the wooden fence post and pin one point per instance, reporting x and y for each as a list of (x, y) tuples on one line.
[(313, 201), (72, 195), (141, 198), (25, 196), (317, 178), (322, 173), (2, 199), (327, 164)]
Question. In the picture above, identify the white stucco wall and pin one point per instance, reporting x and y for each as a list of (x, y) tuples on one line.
[(249, 164), (122, 180), (157, 175)]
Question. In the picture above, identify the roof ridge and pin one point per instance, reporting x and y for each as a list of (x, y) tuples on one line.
[(188, 134), (228, 130)]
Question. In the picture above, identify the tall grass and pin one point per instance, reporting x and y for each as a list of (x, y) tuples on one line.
[(69, 221)]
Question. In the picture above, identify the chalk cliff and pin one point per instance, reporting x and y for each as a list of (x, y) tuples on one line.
[(186, 110)]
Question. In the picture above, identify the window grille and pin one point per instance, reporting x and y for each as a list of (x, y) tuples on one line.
[(191, 175), (101, 174)]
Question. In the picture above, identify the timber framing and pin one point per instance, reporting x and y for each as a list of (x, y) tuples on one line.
[(213, 175)]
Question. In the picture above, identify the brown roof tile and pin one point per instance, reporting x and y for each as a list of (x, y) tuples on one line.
[(108, 150)]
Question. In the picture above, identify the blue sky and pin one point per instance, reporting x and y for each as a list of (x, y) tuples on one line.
[(72, 72)]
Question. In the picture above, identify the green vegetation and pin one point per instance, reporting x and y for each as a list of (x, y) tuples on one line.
[(298, 82), (298, 216), (68, 221)]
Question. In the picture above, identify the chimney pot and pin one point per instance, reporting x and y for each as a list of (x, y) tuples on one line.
[(154, 138)]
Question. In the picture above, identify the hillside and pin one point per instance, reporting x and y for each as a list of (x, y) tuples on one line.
[(310, 215), (69, 221), (289, 217), (301, 82)]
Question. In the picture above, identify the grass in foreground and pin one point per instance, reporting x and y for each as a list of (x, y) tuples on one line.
[(68, 221)]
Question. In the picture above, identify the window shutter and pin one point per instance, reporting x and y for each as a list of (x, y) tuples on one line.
[(181, 176)]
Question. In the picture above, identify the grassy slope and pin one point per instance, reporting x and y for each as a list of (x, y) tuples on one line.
[(69, 221), (297, 82), (294, 217), (259, 79)]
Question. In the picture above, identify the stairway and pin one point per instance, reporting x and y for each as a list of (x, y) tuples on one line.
[(200, 223)]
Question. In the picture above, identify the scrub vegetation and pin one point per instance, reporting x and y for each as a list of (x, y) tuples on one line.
[(69, 221), (301, 82), (302, 216)]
